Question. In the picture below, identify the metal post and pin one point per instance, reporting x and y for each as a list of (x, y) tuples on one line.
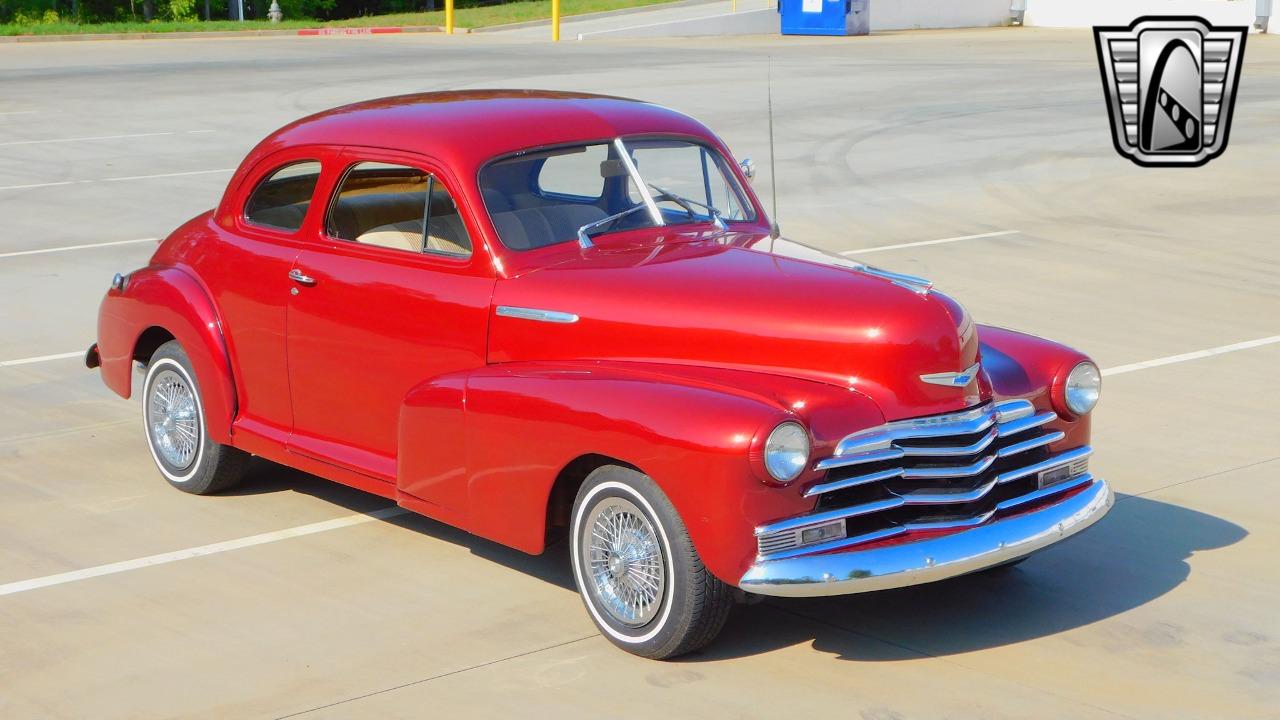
[(555, 20), (240, 11), (1017, 11), (448, 17), (1263, 14)]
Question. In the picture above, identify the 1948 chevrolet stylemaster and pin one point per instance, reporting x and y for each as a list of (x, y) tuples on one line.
[(534, 314)]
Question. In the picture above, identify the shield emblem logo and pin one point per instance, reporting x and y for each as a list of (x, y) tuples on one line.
[(1170, 84)]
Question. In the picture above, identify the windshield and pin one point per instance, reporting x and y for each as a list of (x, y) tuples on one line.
[(542, 198)]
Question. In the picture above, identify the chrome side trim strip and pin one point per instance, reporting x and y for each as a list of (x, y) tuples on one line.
[(853, 482), (1065, 458), (801, 521), (1045, 492), (523, 313)]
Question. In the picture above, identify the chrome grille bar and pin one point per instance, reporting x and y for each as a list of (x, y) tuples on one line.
[(802, 521), (883, 443), (1063, 472), (1065, 458), (1045, 492)]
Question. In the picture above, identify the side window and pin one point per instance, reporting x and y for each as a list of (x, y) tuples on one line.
[(574, 172), (399, 207), (281, 201)]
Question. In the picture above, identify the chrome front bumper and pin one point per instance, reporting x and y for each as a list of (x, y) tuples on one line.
[(922, 561)]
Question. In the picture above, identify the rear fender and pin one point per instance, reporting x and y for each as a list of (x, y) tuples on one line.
[(171, 299)]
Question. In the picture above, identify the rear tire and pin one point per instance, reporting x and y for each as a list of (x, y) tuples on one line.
[(641, 579), (173, 421)]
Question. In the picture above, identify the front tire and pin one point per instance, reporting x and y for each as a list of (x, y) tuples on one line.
[(174, 423), (641, 579)]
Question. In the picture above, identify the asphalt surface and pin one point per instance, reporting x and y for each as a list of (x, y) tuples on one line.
[(1166, 609)]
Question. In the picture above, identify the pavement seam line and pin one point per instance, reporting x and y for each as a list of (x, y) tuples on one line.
[(439, 676), (1215, 473)]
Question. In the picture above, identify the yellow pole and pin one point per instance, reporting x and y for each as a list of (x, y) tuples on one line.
[(448, 17), (555, 20), (734, 8)]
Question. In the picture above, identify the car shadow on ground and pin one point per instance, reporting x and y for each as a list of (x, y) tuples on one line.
[(1136, 554), (266, 477)]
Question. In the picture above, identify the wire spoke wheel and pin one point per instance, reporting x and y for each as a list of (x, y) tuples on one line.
[(173, 420), (624, 562)]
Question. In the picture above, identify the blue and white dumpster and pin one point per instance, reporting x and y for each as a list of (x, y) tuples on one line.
[(824, 17)]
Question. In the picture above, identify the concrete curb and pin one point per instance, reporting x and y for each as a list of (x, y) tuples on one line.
[(197, 35)]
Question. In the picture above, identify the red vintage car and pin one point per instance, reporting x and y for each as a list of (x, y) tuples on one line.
[(537, 315)]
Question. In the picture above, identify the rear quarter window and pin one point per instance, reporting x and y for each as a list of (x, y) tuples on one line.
[(283, 198)]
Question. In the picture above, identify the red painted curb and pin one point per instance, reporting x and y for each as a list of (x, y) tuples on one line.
[(351, 31)]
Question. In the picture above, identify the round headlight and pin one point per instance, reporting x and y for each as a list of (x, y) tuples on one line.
[(1083, 386), (786, 452)]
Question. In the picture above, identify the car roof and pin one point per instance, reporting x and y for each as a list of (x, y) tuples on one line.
[(468, 128)]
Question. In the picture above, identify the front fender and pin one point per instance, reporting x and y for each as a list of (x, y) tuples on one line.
[(171, 299), (692, 430), (1026, 366)]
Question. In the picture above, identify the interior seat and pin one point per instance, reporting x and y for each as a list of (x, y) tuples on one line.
[(541, 226)]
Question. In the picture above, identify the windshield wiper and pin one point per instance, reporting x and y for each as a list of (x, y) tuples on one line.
[(584, 240), (685, 203)]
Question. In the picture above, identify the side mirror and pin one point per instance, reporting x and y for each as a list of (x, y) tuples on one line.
[(748, 168)]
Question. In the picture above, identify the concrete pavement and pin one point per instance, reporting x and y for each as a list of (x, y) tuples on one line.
[(1164, 610)]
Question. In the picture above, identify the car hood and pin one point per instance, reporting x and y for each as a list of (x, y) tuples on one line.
[(746, 303)]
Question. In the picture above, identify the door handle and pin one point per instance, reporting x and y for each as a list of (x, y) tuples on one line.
[(297, 276)]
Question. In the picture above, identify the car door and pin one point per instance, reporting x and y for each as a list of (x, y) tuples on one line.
[(379, 306), (246, 273)]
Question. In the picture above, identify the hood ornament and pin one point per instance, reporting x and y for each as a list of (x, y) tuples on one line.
[(953, 379)]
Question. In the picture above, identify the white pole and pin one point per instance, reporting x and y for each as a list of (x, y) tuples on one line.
[(240, 4)]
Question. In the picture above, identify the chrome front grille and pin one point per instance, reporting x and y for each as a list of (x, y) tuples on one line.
[(930, 474)]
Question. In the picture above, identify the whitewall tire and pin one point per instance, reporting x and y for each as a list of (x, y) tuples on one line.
[(173, 421), (637, 571)]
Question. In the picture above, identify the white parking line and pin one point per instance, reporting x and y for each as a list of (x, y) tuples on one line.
[(200, 551), (922, 243), (64, 248), (103, 137), (18, 112), (349, 520), (41, 358), (82, 139), (1197, 355), (114, 179)]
